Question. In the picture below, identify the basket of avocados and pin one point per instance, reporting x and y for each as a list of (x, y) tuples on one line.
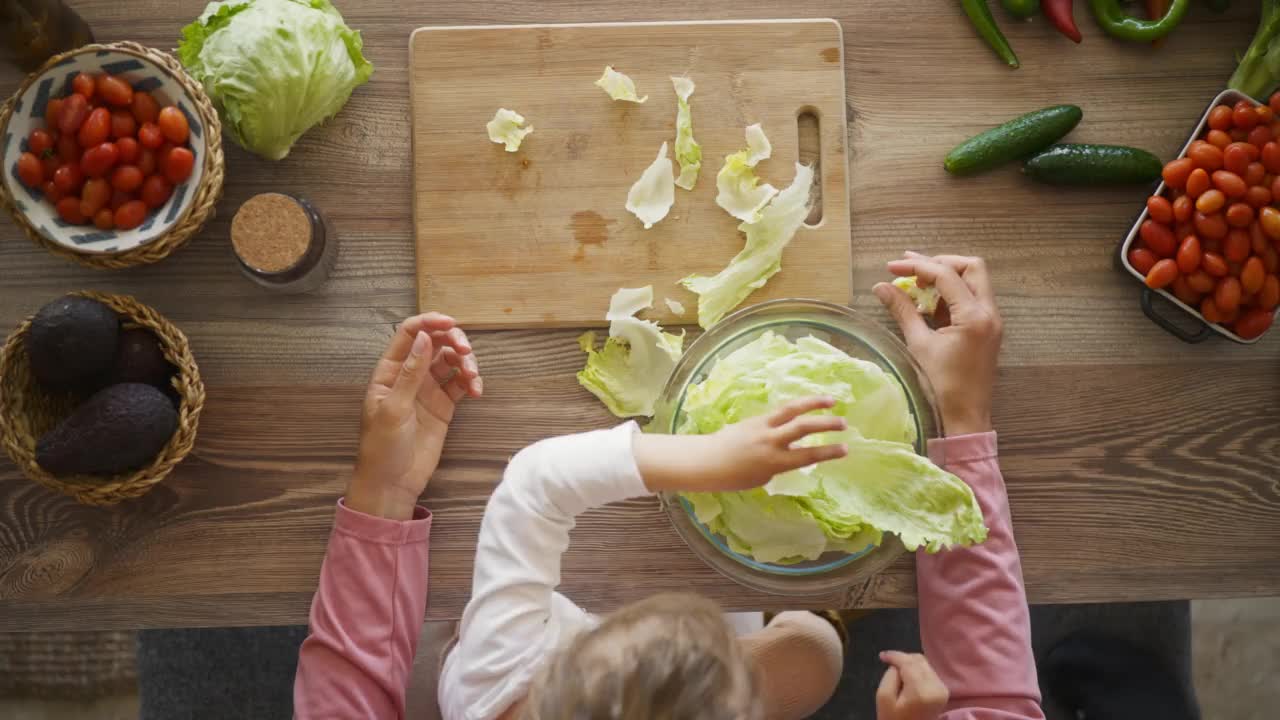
[(100, 397)]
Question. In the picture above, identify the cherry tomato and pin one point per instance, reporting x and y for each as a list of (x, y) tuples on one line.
[(1159, 238), (95, 196), (1238, 135), (1142, 260), (1214, 264), (155, 191), (120, 93), (96, 128), (1162, 274), (1274, 103), (1211, 201), (145, 108), (98, 160), (1201, 281), (1210, 310), (129, 151), (1160, 209), (83, 84), (1258, 240), (179, 162), (1212, 227), (1253, 323), (162, 154), (174, 125), (51, 192), (1235, 158), (68, 179), (123, 125), (1182, 208), (1205, 155), (1220, 117), (1243, 116), (1189, 254), (53, 113), (1252, 275), (119, 198), (1226, 296), (1236, 247), (1183, 291), (68, 148), (1265, 115), (1252, 151), (69, 210), (104, 219), (1257, 196), (131, 214), (1269, 219), (1197, 183), (1182, 230), (1269, 295), (39, 141), (74, 111), (1231, 184), (1270, 157), (1255, 173), (1218, 138), (126, 178), (1259, 136), (149, 136), (147, 161), (30, 171), (1239, 215), (1270, 259), (1176, 172)]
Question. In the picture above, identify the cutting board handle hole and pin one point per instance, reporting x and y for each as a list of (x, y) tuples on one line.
[(809, 131)]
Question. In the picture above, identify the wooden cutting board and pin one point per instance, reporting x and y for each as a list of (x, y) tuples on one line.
[(541, 237)]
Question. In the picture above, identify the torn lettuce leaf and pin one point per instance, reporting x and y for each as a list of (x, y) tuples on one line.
[(674, 306), (881, 486), (688, 151), (506, 129), (652, 196), (629, 372), (739, 191), (760, 257), (925, 298), (619, 86)]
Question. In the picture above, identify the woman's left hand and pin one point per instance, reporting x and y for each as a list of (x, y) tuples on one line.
[(427, 369)]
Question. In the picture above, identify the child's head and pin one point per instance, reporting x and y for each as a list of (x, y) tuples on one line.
[(668, 657)]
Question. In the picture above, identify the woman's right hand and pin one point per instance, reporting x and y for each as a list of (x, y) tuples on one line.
[(959, 356)]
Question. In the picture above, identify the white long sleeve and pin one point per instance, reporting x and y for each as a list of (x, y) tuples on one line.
[(515, 619)]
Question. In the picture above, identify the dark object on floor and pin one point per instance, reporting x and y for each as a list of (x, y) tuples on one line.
[(218, 673), (67, 665), (1101, 677)]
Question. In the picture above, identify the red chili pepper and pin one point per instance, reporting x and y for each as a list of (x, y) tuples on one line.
[(1059, 13)]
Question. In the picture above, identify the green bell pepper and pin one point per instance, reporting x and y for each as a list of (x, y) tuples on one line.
[(1118, 23)]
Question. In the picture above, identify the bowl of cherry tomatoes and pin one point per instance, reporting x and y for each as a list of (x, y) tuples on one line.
[(113, 155), (1208, 239)]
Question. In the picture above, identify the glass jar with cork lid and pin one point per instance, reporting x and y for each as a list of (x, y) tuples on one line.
[(282, 243)]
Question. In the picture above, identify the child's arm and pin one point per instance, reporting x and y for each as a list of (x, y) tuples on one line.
[(515, 617), (372, 597)]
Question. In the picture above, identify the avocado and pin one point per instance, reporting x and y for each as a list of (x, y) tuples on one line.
[(118, 428), (72, 342), (140, 359)]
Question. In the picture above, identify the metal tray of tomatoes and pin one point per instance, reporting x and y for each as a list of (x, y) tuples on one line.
[(1207, 329)]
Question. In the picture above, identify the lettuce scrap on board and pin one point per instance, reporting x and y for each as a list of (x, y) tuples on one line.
[(652, 196), (739, 191), (507, 128), (619, 86), (630, 371), (688, 151), (882, 486)]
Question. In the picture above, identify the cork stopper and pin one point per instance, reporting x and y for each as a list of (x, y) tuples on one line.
[(271, 233)]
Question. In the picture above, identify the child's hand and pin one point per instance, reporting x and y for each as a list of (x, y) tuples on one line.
[(910, 689), (427, 368), (740, 456)]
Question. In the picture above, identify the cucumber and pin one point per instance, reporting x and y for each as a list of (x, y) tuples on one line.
[(1073, 164), (1014, 140)]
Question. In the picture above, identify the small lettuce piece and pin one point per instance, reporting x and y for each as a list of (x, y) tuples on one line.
[(506, 129), (925, 298), (881, 486), (630, 371), (760, 257), (619, 86), (739, 191), (674, 306), (688, 151), (652, 196)]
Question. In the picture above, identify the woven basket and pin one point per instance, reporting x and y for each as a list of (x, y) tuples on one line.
[(27, 410), (203, 200)]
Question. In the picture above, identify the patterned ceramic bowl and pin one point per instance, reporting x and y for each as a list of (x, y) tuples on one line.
[(166, 227)]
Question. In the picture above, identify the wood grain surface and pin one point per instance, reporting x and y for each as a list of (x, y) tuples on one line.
[(541, 237), (1138, 467)]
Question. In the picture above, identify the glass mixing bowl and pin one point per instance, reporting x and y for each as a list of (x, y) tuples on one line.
[(852, 333)]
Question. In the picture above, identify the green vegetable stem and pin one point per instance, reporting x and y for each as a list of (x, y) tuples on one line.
[(980, 15), (1118, 23), (1256, 75), (1022, 8)]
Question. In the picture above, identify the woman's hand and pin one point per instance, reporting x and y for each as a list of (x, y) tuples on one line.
[(427, 369), (739, 456), (910, 689), (960, 355)]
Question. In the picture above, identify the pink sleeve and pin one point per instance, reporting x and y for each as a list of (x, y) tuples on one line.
[(974, 620), (365, 618)]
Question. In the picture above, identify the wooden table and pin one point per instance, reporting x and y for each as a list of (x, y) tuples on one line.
[(1138, 467)]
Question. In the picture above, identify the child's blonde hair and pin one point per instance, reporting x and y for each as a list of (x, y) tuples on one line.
[(669, 657)]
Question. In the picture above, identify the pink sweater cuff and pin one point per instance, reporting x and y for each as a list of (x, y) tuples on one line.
[(383, 530), (960, 449)]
